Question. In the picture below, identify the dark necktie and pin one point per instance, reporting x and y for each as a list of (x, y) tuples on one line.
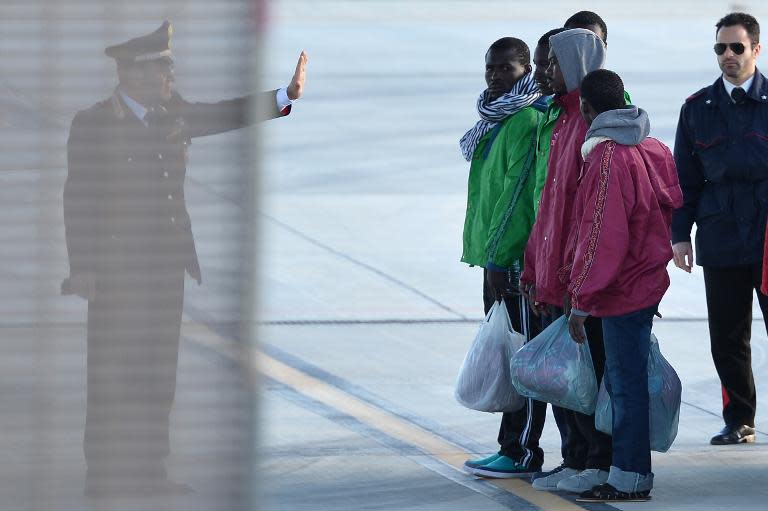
[(738, 94)]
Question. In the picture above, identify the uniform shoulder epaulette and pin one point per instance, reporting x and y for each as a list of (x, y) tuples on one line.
[(92, 115), (696, 94), (96, 108)]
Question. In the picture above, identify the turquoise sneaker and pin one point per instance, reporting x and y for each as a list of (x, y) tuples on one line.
[(471, 465), (503, 468)]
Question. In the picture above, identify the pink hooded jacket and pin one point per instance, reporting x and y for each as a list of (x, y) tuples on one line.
[(578, 52), (620, 236)]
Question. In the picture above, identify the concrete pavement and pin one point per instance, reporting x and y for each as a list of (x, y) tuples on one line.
[(363, 293)]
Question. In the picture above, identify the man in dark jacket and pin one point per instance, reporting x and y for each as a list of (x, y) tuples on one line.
[(589, 20), (130, 243), (721, 152)]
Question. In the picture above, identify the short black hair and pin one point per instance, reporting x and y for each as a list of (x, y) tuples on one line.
[(585, 19), (604, 90), (515, 46), (544, 40), (747, 21)]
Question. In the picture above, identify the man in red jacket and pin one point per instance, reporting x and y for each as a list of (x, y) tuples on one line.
[(617, 271), (573, 54)]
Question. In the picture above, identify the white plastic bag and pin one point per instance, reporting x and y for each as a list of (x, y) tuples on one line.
[(664, 398), (556, 369), (483, 382)]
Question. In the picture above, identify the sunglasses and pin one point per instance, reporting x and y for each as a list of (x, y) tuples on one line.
[(737, 48)]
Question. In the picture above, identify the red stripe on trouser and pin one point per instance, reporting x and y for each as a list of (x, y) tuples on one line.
[(726, 399)]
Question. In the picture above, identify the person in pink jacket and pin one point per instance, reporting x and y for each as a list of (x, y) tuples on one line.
[(618, 252), (573, 53)]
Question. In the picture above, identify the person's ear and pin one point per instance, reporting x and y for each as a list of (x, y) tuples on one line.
[(586, 109), (758, 48), (528, 68)]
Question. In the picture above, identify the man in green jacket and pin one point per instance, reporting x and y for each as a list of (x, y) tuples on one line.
[(499, 217)]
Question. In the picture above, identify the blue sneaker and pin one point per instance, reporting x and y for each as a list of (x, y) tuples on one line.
[(503, 468), (471, 465)]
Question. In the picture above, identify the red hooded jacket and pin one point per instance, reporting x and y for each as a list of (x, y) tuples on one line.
[(620, 242), (545, 251)]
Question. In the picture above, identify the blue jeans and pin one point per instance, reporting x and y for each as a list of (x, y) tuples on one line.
[(627, 345)]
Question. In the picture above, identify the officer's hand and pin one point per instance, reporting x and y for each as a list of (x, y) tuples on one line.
[(683, 255), (83, 285), (576, 328), (296, 87)]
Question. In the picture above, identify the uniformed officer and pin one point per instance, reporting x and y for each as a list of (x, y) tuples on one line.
[(721, 152), (130, 243)]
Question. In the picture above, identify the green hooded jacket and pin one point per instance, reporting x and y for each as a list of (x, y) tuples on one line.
[(500, 212), (543, 138)]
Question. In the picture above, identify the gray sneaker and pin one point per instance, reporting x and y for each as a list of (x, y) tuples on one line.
[(583, 481), (547, 481)]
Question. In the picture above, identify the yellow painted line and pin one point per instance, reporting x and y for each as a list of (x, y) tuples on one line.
[(374, 417)]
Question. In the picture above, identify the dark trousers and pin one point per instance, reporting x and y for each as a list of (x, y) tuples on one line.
[(729, 310), (585, 446), (520, 431), (627, 346), (133, 343)]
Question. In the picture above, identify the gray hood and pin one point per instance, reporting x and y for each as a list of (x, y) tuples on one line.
[(578, 52), (625, 126)]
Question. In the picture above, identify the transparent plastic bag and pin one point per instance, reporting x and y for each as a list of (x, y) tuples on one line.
[(552, 367), (664, 393), (484, 383), (603, 410)]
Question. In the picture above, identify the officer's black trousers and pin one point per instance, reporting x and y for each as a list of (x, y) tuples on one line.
[(133, 343), (729, 308)]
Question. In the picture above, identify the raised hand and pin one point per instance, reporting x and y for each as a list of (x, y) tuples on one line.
[(296, 87)]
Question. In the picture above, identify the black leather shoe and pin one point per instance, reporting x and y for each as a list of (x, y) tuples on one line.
[(734, 435), (607, 493)]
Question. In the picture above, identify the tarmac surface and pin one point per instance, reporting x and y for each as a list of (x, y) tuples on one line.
[(365, 312), (368, 311)]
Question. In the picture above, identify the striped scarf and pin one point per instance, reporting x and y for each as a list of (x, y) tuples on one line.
[(524, 93)]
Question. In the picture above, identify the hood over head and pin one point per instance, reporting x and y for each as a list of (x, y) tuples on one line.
[(578, 51), (662, 173)]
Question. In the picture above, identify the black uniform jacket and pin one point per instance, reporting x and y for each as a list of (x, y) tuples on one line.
[(124, 207), (721, 152)]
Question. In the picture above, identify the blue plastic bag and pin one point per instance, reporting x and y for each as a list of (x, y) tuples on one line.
[(664, 393), (484, 382), (554, 368)]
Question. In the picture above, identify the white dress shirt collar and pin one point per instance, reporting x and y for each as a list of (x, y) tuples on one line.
[(729, 86), (139, 110)]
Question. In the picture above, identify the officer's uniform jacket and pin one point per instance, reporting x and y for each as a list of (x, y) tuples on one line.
[(721, 152), (124, 206)]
